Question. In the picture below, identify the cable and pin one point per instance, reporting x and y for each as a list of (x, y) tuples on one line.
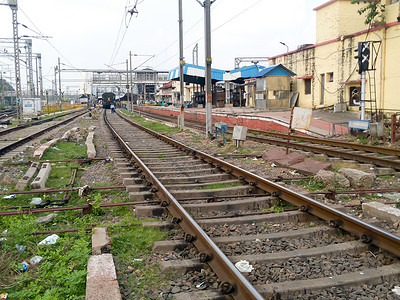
[(47, 40)]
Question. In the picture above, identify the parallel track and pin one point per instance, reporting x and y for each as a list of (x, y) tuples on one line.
[(379, 156), (172, 172)]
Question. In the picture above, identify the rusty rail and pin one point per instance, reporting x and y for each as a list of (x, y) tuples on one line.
[(233, 282), (366, 232)]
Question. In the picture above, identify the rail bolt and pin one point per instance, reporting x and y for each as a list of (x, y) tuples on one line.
[(334, 223), (229, 172), (253, 183), (241, 178), (140, 171), (204, 257), (154, 190), (275, 194), (303, 208), (143, 177), (149, 184), (365, 239), (189, 238), (136, 167), (226, 288), (164, 203), (176, 220)]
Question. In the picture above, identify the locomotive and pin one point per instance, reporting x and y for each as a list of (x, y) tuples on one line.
[(107, 99)]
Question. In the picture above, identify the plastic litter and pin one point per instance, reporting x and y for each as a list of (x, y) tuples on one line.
[(50, 240), (273, 165), (396, 290), (20, 248), (10, 197), (36, 201), (24, 266), (244, 266), (36, 259), (3, 295)]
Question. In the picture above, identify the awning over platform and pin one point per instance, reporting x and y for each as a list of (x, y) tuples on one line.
[(195, 74)]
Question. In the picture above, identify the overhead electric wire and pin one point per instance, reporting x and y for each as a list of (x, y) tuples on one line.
[(215, 29), (46, 39)]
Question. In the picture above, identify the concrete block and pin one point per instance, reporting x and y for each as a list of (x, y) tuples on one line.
[(40, 180), (101, 280), (23, 182), (91, 150), (289, 159), (101, 242), (384, 171), (358, 179), (310, 166), (43, 148), (382, 212)]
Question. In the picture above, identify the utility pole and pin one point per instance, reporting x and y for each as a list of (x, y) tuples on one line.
[(128, 96), (39, 57), (131, 82), (207, 29), (59, 83), (14, 7), (181, 69), (362, 104), (31, 89), (196, 55)]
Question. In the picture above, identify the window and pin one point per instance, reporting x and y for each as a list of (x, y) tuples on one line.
[(393, 1), (307, 86), (330, 77)]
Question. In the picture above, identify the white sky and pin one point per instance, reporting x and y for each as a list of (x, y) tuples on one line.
[(85, 31)]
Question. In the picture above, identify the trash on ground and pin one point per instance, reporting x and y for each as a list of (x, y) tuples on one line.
[(50, 240), (244, 266), (20, 248), (10, 197), (3, 295), (36, 259), (24, 266), (36, 201), (396, 290), (273, 165)]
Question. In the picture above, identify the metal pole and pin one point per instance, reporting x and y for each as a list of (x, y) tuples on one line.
[(37, 78), (181, 69), (59, 83), (18, 91), (207, 25), (39, 56), (363, 83), (128, 96), (31, 89), (131, 81)]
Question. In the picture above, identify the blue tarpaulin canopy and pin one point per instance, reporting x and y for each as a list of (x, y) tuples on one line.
[(195, 74)]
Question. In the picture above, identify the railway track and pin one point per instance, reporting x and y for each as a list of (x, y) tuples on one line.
[(385, 157), (12, 139), (297, 247)]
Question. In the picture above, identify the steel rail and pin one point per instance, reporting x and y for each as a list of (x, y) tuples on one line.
[(233, 282), (333, 143), (366, 232), (26, 125), (36, 134)]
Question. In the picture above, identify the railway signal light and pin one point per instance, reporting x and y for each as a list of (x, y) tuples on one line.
[(363, 56)]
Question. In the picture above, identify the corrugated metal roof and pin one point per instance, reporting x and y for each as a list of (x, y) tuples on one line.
[(275, 70), (196, 71), (248, 72)]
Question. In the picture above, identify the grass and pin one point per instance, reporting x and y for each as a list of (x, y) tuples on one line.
[(310, 184), (62, 275), (218, 186), (155, 126)]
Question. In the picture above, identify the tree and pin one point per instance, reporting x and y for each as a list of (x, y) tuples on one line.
[(374, 12), (5, 86)]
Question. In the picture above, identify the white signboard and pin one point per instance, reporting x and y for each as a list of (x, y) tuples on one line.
[(301, 118)]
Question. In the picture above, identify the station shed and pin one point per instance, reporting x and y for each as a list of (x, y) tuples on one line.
[(270, 88)]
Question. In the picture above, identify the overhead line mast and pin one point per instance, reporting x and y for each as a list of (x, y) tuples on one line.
[(14, 7)]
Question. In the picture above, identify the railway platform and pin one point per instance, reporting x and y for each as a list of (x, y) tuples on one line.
[(323, 123)]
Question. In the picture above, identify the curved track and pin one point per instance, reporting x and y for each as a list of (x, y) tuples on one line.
[(229, 215)]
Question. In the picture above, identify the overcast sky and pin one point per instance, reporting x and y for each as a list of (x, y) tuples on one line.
[(95, 33)]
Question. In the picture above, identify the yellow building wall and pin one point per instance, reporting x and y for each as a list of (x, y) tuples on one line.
[(339, 29)]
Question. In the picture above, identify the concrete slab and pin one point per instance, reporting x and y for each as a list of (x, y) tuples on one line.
[(23, 182), (382, 212), (310, 166), (275, 153), (101, 242), (41, 178), (290, 159), (101, 279)]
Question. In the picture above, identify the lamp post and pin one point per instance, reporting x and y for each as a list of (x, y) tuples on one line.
[(287, 47)]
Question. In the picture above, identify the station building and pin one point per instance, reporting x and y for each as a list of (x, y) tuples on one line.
[(327, 72)]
